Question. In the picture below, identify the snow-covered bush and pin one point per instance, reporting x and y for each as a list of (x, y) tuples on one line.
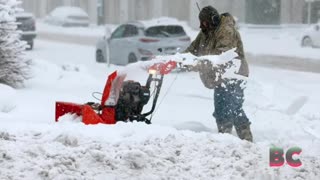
[(14, 68)]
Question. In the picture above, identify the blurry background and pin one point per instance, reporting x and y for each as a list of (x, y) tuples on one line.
[(277, 33), (272, 12)]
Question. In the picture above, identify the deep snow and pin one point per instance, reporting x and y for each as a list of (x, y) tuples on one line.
[(182, 142)]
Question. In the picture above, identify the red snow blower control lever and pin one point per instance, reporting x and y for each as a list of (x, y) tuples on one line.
[(121, 100)]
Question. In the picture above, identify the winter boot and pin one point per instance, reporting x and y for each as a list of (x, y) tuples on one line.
[(224, 127), (244, 132)]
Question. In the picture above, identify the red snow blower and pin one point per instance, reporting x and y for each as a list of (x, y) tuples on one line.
[(121, 100)]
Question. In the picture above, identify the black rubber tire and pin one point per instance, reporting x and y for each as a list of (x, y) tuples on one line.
[(30, 44), (307, 42), (99, 56)]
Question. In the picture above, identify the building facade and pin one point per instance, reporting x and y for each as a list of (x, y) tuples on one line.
[(120, 11)]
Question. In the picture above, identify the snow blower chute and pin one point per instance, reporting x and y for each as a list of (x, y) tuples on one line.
[(121, 100)]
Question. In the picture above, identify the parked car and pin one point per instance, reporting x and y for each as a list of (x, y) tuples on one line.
[(140, 41), (27, 26), (311, 37), (68, 16)]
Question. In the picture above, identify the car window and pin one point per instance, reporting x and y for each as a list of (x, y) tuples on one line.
[(119, 32), (78, 17), (130, 31), (165, 31), (25, 22)]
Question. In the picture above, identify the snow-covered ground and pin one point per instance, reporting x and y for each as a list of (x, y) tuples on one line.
[(285, 41), (182, 142)]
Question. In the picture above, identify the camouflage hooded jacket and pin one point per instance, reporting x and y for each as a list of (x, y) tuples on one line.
[(222, 39)]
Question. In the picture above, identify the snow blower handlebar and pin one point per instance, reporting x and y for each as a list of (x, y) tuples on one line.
[(158, 88), (157, 69), (162, 69)]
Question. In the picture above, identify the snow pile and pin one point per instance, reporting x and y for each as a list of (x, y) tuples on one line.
[(7, 95), (138, 151)]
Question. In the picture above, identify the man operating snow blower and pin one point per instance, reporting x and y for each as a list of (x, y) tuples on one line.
[(218, 34)]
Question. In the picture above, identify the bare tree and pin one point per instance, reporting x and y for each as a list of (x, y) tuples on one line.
[(14, 68)]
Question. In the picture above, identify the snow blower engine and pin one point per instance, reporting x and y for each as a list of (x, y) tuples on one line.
[(121, 100)]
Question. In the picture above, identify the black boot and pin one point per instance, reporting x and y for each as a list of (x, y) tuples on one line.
[(225, 127), (244, 132)]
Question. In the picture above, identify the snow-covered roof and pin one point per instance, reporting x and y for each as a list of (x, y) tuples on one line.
[(64, 11)]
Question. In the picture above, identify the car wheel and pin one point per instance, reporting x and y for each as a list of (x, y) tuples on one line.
[(30, 44), (99, 56), (306, 42), (132, 58)]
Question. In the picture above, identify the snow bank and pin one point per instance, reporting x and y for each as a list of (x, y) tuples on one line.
[(7, 99), (138, 152)]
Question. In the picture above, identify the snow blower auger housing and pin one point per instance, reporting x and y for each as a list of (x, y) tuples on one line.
[(121, 100)]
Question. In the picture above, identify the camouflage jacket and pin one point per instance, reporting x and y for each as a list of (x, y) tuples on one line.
[(222, 39)]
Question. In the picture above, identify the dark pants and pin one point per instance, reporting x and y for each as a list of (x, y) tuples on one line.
[(228, 101)]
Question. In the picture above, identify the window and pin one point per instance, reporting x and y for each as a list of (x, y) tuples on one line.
[(165, 31), (130, 31), (263, 11), (119, 32), (315, 12)]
